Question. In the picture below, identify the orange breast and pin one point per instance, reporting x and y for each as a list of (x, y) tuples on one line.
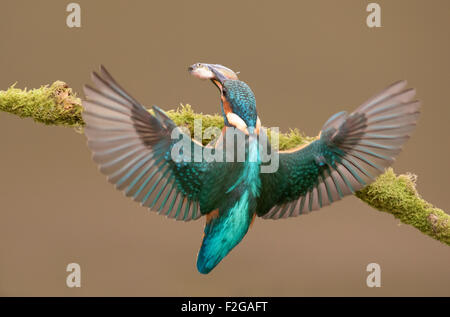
[(213, 214), (226, 105)]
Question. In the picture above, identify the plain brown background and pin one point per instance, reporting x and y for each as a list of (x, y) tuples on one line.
[(305, 60)]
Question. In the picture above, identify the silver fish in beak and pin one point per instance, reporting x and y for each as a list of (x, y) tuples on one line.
[(203, 71)]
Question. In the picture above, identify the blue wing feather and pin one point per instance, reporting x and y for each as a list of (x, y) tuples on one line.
[(351, 151), (133, 148)]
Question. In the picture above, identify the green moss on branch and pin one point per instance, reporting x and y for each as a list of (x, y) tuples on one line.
[(397, 195), (185, 116), (52, 105)]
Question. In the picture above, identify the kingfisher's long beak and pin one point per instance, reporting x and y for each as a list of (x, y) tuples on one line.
[(218, 78)]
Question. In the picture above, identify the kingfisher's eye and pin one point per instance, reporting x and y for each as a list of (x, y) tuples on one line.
[(224, 92)]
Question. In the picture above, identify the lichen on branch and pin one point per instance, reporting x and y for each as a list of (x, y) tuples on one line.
[(58, 105)]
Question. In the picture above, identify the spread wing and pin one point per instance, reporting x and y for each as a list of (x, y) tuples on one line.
[(352, 150), (136, 151)]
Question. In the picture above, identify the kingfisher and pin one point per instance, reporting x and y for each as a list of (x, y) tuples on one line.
[(137, 151)]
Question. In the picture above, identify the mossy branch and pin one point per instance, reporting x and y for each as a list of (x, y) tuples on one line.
[(54, 105), (397, 195)]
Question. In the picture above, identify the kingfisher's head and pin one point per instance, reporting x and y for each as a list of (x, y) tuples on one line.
[(238, 100)]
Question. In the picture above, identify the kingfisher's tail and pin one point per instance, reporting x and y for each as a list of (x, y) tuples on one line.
[(223, 231), (226, 226)]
